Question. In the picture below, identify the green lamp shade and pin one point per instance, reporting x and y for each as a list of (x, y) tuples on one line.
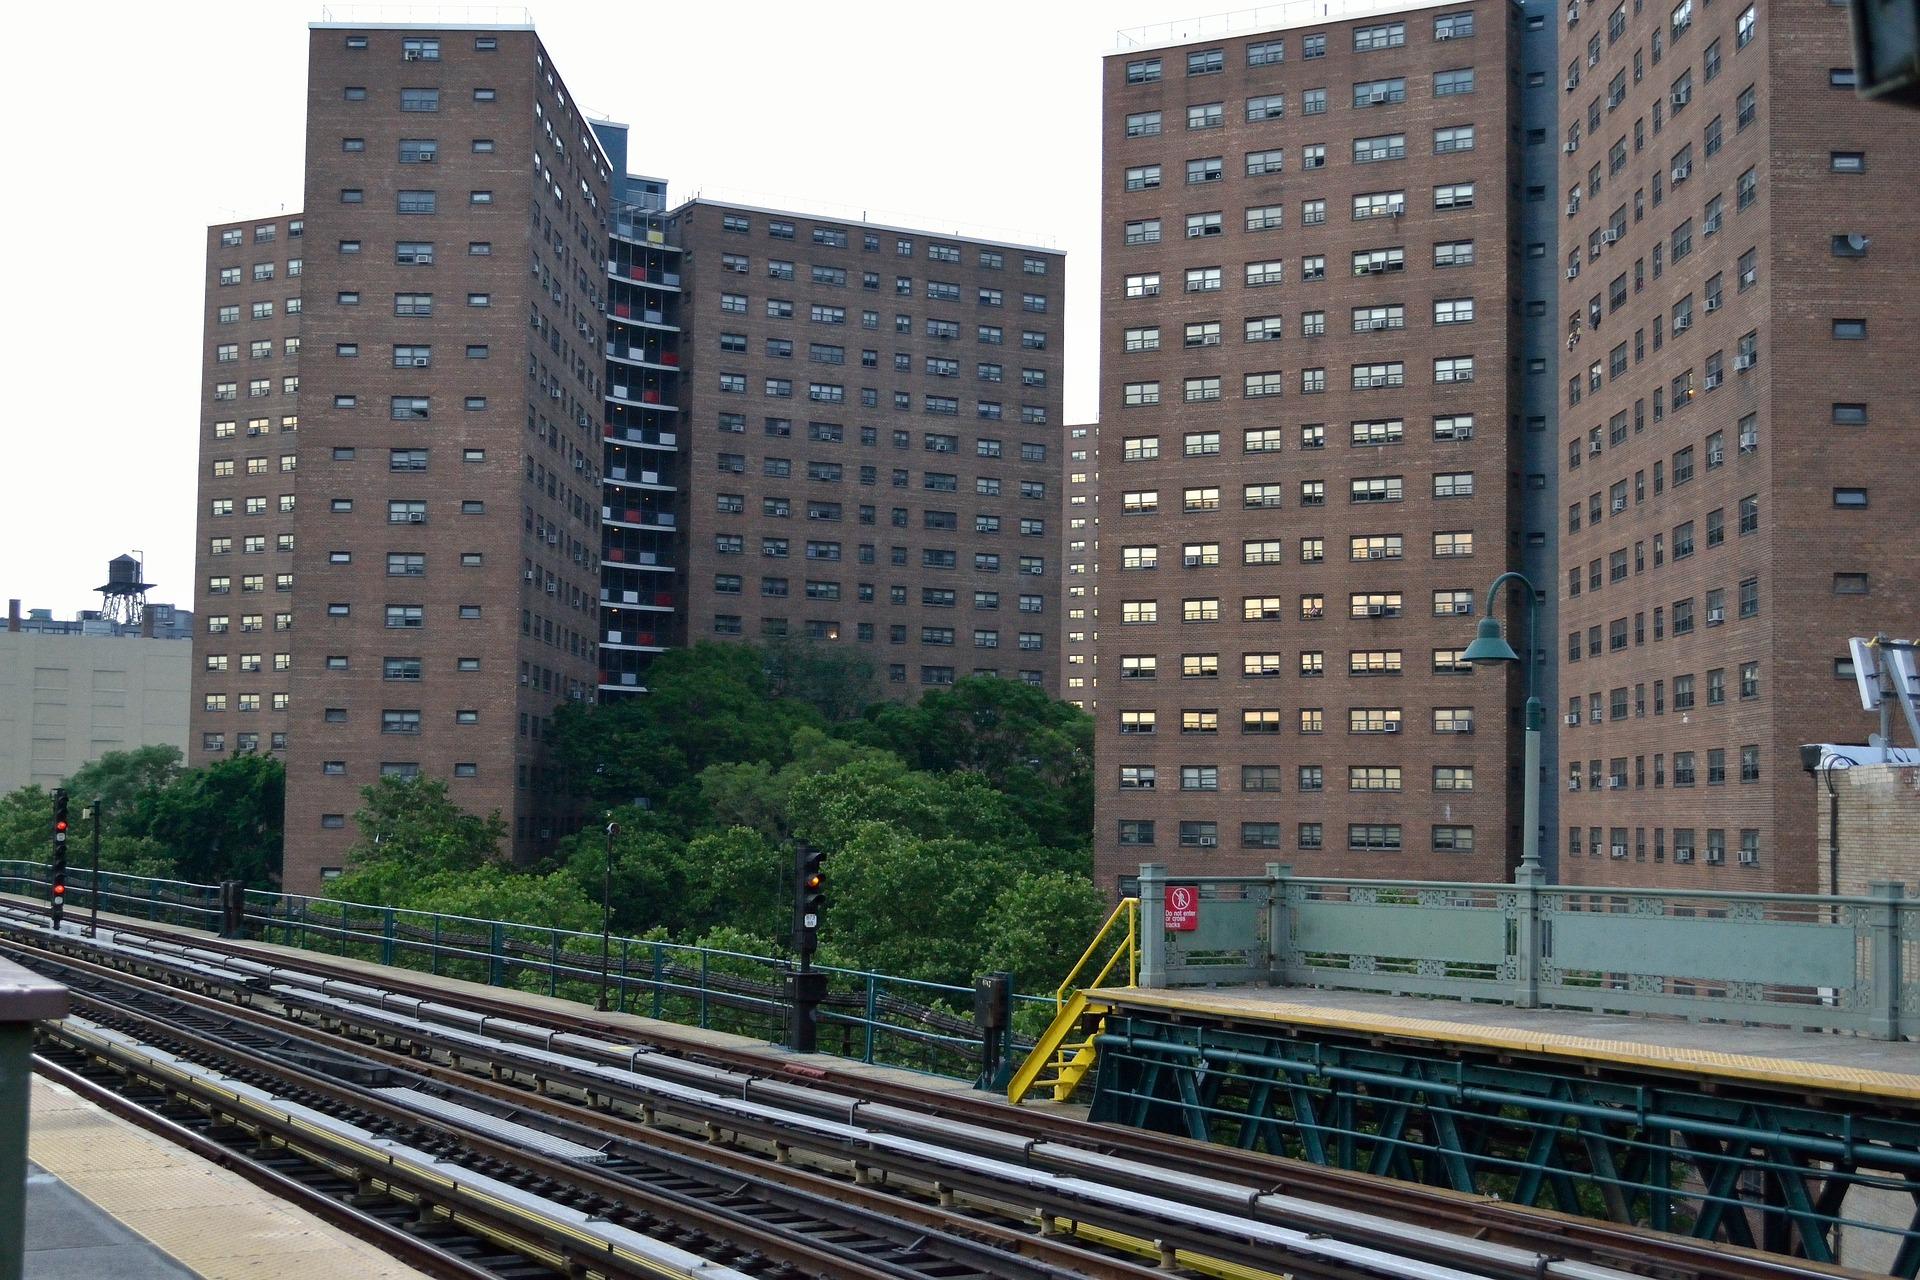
[(1488, 646)]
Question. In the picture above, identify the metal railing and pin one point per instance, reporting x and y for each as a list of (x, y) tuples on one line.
[(868, 1017), (1798, 960)]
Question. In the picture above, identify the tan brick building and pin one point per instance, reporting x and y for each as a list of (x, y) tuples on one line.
[(1737, 245)]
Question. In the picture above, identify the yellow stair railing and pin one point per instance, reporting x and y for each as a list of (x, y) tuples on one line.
[(1060, 1061)]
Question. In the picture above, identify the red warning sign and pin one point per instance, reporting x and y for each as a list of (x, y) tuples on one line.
[(1183, 907)]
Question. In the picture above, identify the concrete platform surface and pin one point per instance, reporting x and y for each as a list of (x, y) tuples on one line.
[(107, 1199), (1768, 1055)]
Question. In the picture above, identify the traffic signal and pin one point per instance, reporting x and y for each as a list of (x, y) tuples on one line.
[(809, 897), (58, 887)]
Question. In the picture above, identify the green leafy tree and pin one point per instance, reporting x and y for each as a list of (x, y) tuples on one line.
[(121, 777), (217, 823), (1034, 750), (412, 823), (836, 682), (1039, 926), (710, 704), (909, 905)]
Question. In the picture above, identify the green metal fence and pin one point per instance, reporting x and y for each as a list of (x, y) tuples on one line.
[(1829, 963), (869, 1017)]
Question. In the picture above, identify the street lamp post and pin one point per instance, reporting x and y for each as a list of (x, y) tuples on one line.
[(1491, 648), (606, 914)]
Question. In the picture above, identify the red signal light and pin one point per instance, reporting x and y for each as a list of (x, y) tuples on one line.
[(60, 825), (59, 888)]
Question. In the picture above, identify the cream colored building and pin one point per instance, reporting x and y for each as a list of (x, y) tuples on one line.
[(67, 700)]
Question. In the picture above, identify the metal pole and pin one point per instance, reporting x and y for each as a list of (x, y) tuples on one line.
[(606, 914), (93, 918), (1530, 782)]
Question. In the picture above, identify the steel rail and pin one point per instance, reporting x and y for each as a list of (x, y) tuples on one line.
[(1563, 1235)]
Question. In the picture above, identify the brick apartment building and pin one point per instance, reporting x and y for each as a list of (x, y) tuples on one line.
[(873, 437), (447, 536), (1309, 358), (1080, 511), (1738, 244), (498, 439), (249, 443)]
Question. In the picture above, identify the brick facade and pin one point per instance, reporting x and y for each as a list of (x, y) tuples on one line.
[(874, 442), (1300, 661), (1707, 556), (248, 440), (493, 502)]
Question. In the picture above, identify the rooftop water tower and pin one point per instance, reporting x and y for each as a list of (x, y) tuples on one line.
[(123, 598)]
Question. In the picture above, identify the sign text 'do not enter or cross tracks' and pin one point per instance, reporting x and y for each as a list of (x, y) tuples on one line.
[(1183, 907)]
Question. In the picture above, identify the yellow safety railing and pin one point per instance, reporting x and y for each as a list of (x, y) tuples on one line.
[(1068, 1059)]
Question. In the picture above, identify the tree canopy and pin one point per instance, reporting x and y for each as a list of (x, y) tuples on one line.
[(957, 828)]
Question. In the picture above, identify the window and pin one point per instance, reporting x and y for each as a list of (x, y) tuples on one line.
[(1447, 83), (1847, 161), (1456, 196)]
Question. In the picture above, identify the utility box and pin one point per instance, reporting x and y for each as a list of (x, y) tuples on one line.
[(1886, 49)]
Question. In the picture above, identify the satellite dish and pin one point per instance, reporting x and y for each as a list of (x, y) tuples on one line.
[(1857, 242)]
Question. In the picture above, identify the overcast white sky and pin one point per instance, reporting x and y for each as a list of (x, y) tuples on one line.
[(135, 126)]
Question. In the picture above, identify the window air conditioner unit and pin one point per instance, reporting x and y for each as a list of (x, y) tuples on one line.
[(253, 431), (1619, 505), (1573, 718), (1446, 33), (530, 575), (1573, 273), (1616, 784), (1713, 382), (1573, 82), (1716, 616), (1573, 784), (1390, 727), (1572, 147), (416, 517), (421, 362), (1681, 172), (1377, 96), (1609, 236), (1713, 304), (1376, 553), (1192, 562), (411, 55), (553, 588), (1743, 363), (1682, 323), (1594, 448), (1376, 611), (1206, 842), (554, 392), (1681, 97), (1573, 207), (1463, 608)]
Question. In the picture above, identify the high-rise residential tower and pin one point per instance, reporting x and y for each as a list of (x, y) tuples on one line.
[(447, 535), (248, 454), (1080, 632), (1738, 242), (874, 442), (1311, 448)]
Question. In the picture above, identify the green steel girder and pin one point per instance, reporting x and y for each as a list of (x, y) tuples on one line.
[(1740, 1164)]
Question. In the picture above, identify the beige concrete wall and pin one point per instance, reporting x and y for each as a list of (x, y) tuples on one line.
[(67, 700), (1879, 827)]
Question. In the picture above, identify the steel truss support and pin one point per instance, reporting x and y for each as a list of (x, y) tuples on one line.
[(1741, 1164)]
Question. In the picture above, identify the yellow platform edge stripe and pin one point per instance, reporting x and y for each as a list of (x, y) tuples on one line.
[(1783, 1072)]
